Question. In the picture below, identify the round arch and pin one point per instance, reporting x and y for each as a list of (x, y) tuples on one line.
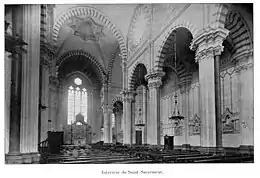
[(133, 74), (78, 74), (93, 60), (92, 12), (178, 24), (114, 100)]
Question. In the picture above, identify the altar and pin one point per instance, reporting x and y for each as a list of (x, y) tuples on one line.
[(78, 132)]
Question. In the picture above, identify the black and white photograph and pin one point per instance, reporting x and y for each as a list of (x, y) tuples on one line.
[(138, 83)]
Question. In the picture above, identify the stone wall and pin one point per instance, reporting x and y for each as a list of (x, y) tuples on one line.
[(237, 95), (188, 104)]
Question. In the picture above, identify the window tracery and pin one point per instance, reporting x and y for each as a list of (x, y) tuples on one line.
[(77, 101)]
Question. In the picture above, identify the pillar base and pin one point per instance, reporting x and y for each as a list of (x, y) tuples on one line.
[(22, 158), (13, 158)]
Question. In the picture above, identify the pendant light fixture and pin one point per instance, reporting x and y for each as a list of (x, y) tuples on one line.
[(176, 116)]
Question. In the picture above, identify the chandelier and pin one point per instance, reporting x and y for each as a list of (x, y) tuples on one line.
[(176, 116)]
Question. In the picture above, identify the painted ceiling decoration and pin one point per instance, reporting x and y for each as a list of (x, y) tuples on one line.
[(139, 26), (94, 29), (86, 29)]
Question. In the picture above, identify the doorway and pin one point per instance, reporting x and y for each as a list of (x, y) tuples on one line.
[(138, 137)]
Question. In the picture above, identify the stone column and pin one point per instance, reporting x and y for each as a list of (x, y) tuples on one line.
[(8, 73), (14, 97), (43, 115), (133, 132), (119, 124), (218, 99), (209, 44), (61, 108), (128, 119), (153, 123), (54, 96), (15, 110), (90, 108), (124, 97), (30, 81), (107, 111), (145, 115)]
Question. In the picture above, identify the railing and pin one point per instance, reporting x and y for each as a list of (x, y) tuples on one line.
[(43, 147)]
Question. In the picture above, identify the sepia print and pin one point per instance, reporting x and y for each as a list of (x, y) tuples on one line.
[(129, 83)]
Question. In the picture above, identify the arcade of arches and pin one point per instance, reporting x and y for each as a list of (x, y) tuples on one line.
[(119, 72)]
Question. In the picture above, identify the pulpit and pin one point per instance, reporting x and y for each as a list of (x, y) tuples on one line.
[(55, 140), (168, 142)]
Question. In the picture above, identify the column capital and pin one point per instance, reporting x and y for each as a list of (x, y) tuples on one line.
[(107, 109), (154, 79), (53, 80), (208, 43)]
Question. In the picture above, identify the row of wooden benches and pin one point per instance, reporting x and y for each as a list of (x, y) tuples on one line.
[(176, 156)]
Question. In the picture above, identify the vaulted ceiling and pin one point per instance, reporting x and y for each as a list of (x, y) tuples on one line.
[(90, 34)]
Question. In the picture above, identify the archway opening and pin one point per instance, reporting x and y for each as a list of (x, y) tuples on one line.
[(140, 89), (117, 122), (80, 81), (180, 83)]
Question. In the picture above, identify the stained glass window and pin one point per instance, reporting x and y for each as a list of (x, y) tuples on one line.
[(77, 103)]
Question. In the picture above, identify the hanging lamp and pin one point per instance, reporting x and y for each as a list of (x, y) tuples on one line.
[(176, 116)]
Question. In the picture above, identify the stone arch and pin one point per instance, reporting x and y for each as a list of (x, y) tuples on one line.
[(78, 73), (219, 15), (92, 12), (115, 99), (185, 24), (239, 32), (110, 66), (226, 13), (132, 75), (100, 71)]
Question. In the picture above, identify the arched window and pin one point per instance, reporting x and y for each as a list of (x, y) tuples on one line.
[(77, 101)]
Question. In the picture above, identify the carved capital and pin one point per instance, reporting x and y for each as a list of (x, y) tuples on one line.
[(107, 109), (53, 80), (209, 42), (44, 62), (154, 79)]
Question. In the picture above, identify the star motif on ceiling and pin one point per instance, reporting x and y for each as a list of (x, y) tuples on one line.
[(87, 29)]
